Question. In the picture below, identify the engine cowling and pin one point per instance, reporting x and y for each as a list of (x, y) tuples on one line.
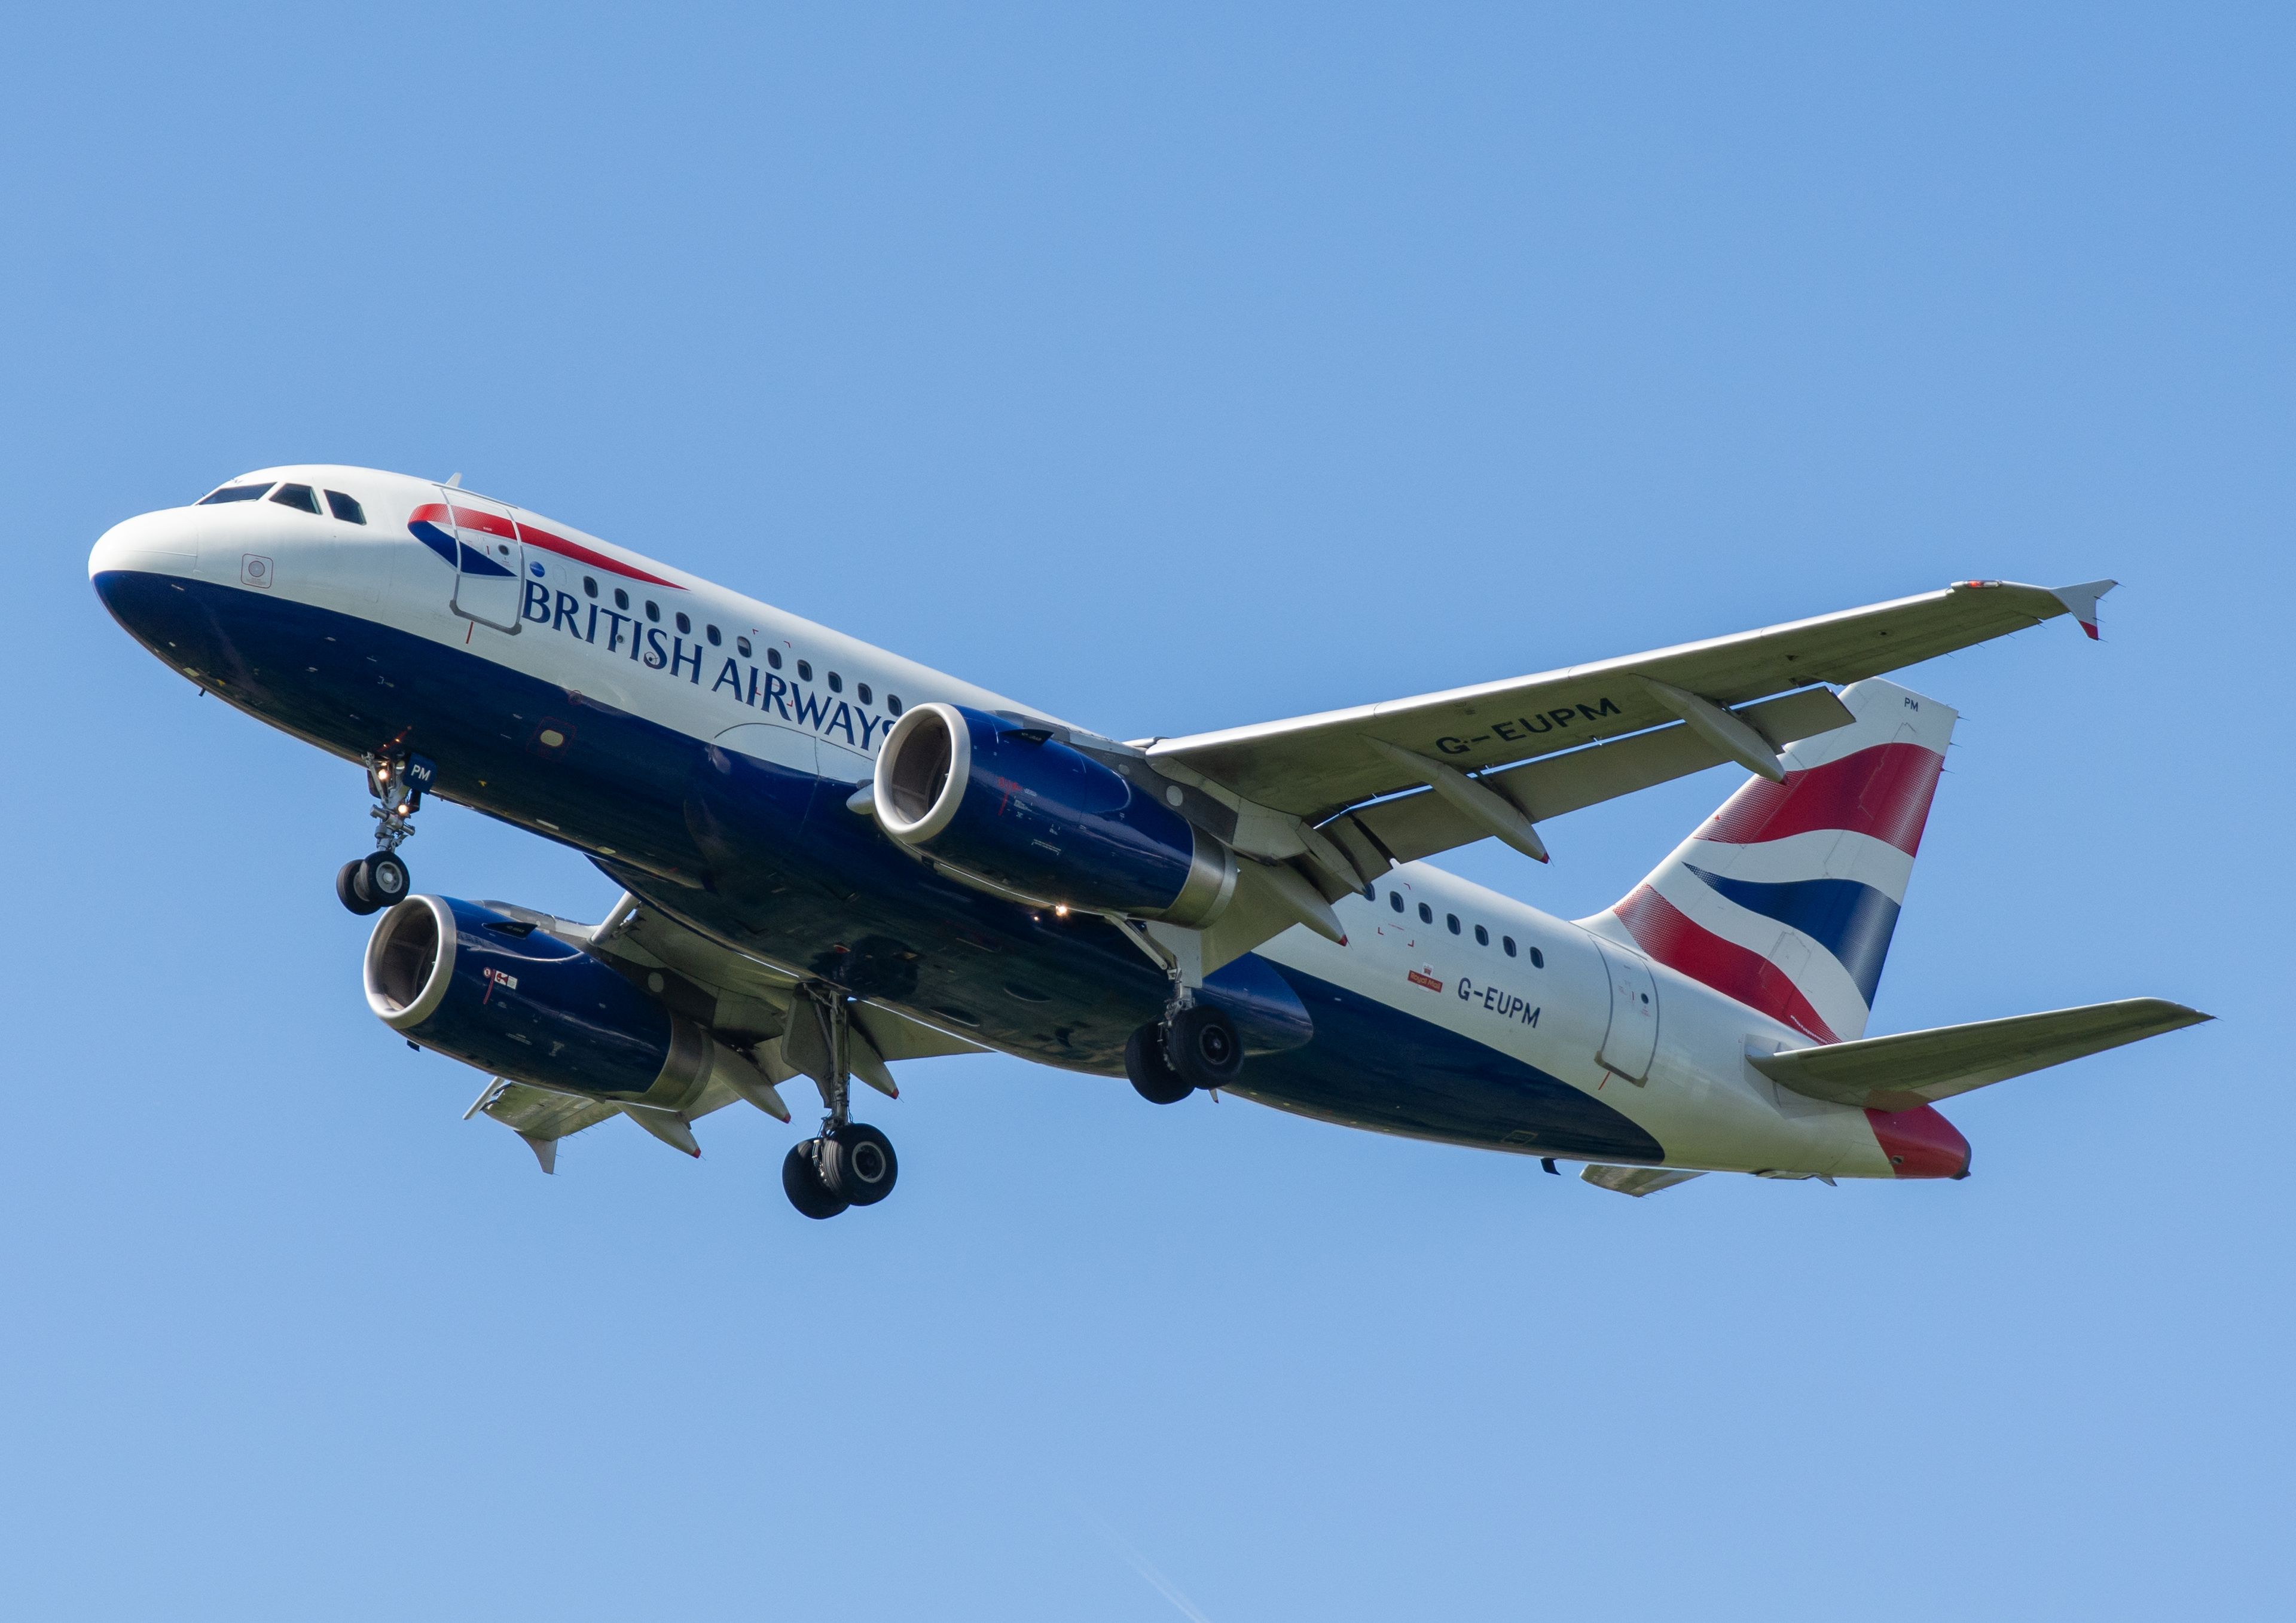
[(996, 801), (495, 992)]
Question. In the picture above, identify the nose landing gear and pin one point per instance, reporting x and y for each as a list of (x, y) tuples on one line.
[(370, 883), (851, 1163)]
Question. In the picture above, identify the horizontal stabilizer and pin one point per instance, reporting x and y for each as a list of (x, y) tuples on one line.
[(1637, 1181), (1916, 1068)]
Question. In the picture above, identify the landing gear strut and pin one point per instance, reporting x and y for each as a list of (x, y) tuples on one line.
[(1194, 1046), (851, 1163), (370, 883)]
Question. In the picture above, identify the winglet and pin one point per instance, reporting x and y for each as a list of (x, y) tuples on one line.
[(2080, 603)]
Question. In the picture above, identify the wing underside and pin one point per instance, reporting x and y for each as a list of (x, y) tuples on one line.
[(766, 1028)]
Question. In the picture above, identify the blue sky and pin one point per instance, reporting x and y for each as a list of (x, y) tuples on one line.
[(1168, 368)]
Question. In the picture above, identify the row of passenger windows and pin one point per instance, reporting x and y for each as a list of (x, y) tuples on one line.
[(1483, 936), (301, 498), (346, 508), (861, 690)]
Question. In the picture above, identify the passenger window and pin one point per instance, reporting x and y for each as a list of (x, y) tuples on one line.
[(345, 507), (621, 598), (1508, 943), (684, 625), (742, 646), (301, 498), (714, 638), (1483, 936), (893, 703), (589, 586), (774, 657), (1452, 921), (653, 611), (804, 671), (863, 690), (233, 493), (1538, 959), (1426, 913), (836, 682), (1394, 900)]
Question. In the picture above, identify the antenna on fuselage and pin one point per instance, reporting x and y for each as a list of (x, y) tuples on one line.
[(455, 480)]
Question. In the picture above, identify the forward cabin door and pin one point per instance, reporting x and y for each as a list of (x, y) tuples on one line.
[(1633, 1036), (489, 560)]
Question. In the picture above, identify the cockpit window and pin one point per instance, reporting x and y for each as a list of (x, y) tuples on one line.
[(346, 509), (234, 493), (299, 496)]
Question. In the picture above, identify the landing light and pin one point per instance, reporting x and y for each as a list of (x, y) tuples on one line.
[(1061, 911)]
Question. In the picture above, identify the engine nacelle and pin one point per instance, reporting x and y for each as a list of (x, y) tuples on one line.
[(495, 992), (995, 800)]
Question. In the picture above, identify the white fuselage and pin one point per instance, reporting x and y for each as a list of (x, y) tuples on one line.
[(785, 690)]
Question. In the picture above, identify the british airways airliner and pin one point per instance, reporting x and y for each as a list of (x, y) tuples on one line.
[(834, 860)]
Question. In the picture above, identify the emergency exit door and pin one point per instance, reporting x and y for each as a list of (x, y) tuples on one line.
[(1633, 1035)]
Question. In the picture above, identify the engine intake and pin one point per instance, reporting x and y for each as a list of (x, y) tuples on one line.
[(991, 799), (495, 992)]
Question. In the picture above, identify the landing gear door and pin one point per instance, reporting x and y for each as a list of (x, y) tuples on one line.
[(489, 560), (1633, 1036)]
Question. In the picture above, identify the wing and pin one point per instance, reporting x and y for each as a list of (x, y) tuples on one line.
[(1313, 766), (750, 1005), (1897, 1073)]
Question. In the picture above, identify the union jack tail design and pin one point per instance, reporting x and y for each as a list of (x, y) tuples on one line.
[(1785, 899)]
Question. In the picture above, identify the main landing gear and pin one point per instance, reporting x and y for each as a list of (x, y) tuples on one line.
[(370, 883), (851, 1163), (1193, 1046)]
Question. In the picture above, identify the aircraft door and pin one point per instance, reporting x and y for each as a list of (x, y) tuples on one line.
[(1633, 1035), (489, 560)]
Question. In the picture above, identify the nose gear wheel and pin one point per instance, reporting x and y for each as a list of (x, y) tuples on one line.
[(370, 883)]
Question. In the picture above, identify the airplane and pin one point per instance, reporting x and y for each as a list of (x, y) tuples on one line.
[(834, 860)]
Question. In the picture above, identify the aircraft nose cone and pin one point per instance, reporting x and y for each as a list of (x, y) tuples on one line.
[(164, 543)]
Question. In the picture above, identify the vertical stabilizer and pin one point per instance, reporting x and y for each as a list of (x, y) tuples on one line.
[(1787, 897)]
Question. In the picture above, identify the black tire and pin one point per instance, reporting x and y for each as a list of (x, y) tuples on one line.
[(1151, 1071), (1203, 1046), (801, 1182), (347, 890), (858, 1164), (382, 879)]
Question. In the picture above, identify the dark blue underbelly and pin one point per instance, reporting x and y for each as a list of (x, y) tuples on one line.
[(770, 860)]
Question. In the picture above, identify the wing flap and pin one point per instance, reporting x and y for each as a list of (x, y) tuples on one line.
[(1412, 826), (1916, 1067), (542, 1117)]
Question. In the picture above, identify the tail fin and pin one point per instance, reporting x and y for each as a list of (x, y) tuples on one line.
[(1785, 899)]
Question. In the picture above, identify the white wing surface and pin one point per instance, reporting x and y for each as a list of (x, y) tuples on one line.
[(1314, 766)]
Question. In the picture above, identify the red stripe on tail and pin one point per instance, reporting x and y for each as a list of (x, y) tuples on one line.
[(1669, 936), (1883, 791)]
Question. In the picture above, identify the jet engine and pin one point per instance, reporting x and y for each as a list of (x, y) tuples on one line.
[(999, 800), (517, 1001)]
